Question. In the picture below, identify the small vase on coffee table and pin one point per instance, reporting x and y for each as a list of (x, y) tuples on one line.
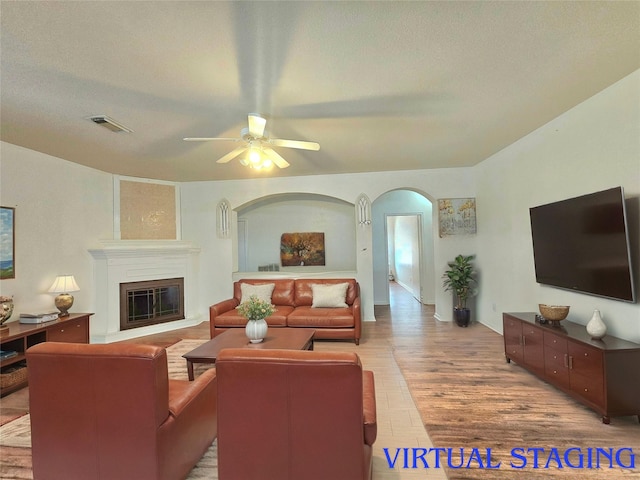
[(256, 330)]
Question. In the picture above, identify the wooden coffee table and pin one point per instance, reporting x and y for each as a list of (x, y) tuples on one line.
[(285, 338)]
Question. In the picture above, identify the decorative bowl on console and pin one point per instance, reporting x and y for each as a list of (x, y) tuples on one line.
[(553, 313), (6, 309)]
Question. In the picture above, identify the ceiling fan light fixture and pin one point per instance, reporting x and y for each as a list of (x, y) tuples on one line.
[(258, 146), (262, 166), (255, 158)]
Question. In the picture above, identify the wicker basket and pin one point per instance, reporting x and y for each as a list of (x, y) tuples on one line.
[(553, 313), (13, 375)]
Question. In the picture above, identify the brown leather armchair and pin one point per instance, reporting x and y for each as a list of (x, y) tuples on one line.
[(110, 412), (294, 415)]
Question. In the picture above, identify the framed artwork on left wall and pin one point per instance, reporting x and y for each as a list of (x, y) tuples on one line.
[(7, 243)]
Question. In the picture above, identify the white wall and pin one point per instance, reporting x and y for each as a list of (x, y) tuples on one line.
[(594, 146), (199, 200), (62, 209), (589, 148)]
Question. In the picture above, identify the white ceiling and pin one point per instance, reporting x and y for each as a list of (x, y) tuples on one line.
[(380, 85)]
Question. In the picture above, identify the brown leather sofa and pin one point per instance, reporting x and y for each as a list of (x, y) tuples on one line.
[(293, 299), (294, 415), (110, 412)]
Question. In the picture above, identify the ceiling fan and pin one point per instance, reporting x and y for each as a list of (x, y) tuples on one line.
[(258, 144)]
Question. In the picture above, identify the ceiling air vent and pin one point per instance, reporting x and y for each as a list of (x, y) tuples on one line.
[(109, 123)]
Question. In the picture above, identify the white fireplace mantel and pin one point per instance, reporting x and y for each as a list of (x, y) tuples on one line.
[(124, 261)]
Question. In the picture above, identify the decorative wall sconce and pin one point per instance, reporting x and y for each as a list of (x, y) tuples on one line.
[(363, 206), (64, 284), (222, 220)]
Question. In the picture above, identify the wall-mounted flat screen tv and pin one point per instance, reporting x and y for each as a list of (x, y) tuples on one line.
[(582, 244)]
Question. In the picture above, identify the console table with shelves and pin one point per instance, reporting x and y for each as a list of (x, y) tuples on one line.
[(73, 328), (601, 374)]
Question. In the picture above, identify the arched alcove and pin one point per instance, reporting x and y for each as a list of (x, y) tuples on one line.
[(262, 222)]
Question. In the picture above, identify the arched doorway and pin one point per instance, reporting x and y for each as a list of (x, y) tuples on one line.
[(403, 204)]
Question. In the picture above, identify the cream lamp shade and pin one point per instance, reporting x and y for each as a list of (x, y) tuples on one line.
[(64, 284)]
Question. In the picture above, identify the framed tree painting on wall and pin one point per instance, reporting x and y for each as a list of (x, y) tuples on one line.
[(302, 249), (7, 243)]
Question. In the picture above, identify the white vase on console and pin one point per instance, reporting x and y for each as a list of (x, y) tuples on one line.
[(596, 327)]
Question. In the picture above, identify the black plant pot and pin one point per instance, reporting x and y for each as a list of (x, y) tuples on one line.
[(462, 316)]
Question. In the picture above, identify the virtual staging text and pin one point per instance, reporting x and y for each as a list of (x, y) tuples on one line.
[(516, 458)]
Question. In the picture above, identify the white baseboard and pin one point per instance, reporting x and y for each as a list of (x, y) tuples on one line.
[(144, 331)]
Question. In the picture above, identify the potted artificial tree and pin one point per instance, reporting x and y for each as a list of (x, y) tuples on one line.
[(459, 279)]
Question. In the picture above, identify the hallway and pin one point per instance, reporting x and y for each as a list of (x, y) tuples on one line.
[(404, 315)]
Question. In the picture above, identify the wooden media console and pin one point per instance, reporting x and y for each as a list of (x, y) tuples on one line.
[(602, 374)]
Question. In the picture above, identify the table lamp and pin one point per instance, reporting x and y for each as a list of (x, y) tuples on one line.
[(64, 284)]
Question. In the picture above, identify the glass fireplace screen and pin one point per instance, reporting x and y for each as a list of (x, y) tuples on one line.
[(151, 302)]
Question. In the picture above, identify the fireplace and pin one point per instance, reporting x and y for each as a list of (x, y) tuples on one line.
[(144, 265), (151, 302)]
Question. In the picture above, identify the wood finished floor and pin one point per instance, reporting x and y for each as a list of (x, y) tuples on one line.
[(467, 396)]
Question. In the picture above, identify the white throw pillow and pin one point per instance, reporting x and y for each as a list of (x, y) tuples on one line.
[(329, 295), (263, 292)]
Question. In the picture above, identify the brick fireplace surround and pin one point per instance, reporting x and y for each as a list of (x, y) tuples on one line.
[(123, 261)]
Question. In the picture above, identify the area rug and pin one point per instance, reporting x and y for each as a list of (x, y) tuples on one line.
[(16, 433), (399, 423)]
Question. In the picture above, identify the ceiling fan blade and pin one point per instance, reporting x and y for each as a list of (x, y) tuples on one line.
[(256, 125), (275, 157), (231, 155), (208, 139), (279, 142)]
